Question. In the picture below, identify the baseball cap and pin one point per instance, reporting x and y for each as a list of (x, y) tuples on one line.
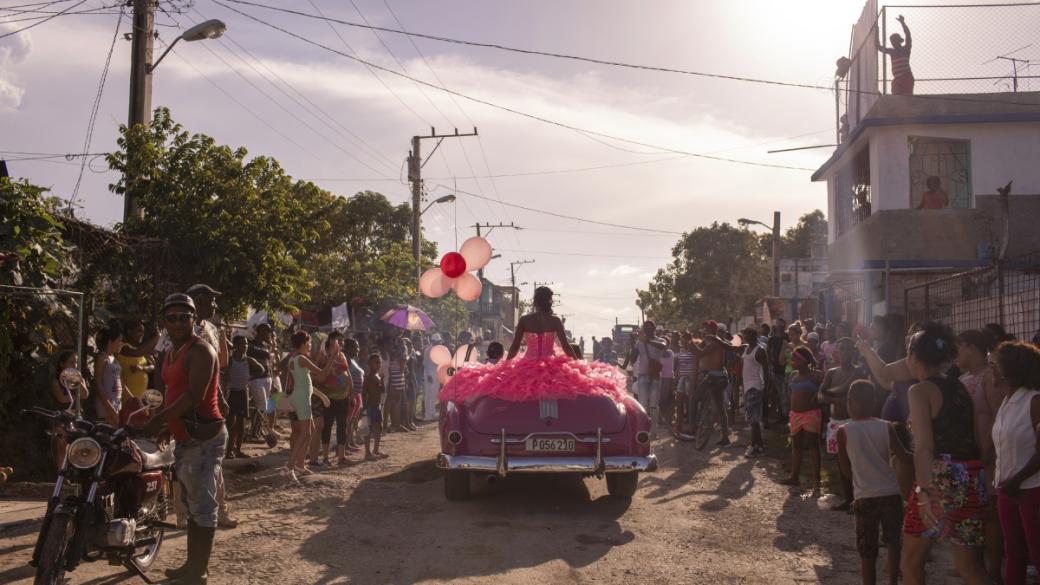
[(178, 300), (202, 289)]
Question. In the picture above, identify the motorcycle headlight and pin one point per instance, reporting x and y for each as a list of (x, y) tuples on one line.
[(84, 453)]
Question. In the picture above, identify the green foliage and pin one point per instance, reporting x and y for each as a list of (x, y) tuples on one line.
[(240, 225), (34, 326), (718, 273), (798, 241)]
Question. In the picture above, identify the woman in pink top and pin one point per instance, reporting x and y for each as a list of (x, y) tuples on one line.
[(934, 197)]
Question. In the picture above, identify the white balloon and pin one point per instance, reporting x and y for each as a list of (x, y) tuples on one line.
[(468, 287), (434, 284), (460, 355), (440, 355), (477, 252)]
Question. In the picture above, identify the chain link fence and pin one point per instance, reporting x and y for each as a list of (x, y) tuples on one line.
[(1007, 292), (956, 49)]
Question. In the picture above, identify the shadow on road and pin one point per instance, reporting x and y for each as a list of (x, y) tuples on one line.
[(389, 531)]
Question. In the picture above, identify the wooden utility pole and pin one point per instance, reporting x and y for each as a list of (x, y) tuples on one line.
[(415, 166), (142, 38), (516, 291)]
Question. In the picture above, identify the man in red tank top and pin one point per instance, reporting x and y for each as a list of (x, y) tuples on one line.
[(192, 414)]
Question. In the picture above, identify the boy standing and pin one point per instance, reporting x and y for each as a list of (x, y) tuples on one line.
[(372, 394), (834, 391), (864, 445)]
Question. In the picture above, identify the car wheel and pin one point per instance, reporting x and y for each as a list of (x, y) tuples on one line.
[(622, 485), (456, 485)]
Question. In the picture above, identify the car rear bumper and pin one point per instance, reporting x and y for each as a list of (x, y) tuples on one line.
[(520, 464)]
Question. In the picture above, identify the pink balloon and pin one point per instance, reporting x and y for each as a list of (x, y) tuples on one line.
[(434, 284), (460, 356), (442, 374), (468, 287), (477, 252), (440, 355)]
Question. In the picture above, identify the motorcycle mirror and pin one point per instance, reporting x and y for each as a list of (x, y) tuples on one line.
[(70, 378), (151, 398)]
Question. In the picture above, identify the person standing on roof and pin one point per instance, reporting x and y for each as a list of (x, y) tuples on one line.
[(902, 76)]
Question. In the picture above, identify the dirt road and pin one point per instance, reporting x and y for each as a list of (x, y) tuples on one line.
[(710, 517)]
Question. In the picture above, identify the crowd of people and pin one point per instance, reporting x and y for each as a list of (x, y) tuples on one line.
[(936, 436)]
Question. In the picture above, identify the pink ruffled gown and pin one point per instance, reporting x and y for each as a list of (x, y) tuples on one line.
[(543, 373)]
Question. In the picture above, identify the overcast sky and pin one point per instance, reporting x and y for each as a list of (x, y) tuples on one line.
[(49, 77)]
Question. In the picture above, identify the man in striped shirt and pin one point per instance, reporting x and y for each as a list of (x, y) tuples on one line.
[(686, 379), (902, 76)]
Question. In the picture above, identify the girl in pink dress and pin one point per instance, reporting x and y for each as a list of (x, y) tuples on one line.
[(545, 372)]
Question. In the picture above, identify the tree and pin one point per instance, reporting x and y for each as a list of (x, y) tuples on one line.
[(718, 273), (240, 225), (35, 325), (798, 241)]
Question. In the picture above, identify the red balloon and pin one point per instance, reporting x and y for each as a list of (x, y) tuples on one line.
[(453, 265)]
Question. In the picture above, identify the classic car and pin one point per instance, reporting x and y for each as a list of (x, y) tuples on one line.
[(489, 438)]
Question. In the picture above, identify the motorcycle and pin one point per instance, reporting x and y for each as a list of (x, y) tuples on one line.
[(111, 497)]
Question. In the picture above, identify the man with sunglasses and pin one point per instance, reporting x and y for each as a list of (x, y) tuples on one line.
[(193, 416), (205, 299)]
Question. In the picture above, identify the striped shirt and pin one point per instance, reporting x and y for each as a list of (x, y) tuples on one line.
[(687, 363), (397, 380), (900, 65)]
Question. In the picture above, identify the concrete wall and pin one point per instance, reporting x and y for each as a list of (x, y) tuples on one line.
[(999, 153)]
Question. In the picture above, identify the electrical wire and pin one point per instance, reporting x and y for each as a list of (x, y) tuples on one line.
[(94, 111), (46, 19), (579, 130), (553, 253), (347, 134), (570, 217), (612, 63)]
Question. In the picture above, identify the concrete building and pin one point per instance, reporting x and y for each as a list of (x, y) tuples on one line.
[(879, 239)]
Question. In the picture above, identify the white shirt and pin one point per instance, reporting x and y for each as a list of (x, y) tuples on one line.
[(752, 372), (1014, 437)]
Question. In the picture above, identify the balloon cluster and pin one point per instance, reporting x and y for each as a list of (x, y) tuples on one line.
[(455, 272), (447, 364)]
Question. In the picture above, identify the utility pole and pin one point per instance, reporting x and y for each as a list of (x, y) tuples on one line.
[(1014, 70), (490, 228), (776, 253), (415, 166), (142, 38), (516, 292)]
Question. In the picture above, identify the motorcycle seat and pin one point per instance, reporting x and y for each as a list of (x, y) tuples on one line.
[(151, 456)]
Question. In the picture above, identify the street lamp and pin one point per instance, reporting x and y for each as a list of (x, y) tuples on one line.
[(211, 29), (141, 68), (776, 246), (445, 199)]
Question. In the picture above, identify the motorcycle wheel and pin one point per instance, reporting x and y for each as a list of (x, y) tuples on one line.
[(51, 569), (146, 558)]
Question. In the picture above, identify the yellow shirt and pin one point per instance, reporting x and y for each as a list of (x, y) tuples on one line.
[(136, 382)]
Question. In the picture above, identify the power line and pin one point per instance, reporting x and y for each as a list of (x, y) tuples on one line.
[(94, 111), (579, 130), (571, 217), (622, 64), (47, 19), (553, 253)]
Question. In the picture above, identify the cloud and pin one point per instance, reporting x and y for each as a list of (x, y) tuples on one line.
[(594, 272), (13, 50), (623, 270)]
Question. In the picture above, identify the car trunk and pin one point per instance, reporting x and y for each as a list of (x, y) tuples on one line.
[(582, 416)]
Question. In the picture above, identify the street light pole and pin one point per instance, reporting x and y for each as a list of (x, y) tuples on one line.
[(776, 246), (141, 68)]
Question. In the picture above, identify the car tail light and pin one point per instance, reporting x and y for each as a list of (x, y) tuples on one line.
[(454, 437), (643, 437)]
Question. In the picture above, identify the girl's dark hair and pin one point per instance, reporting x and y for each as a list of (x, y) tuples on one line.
[(1020, 364), (999, 333), (351, 342), (495, 350), (62, 358), (299, 338), (980, 339), (933, 345), (543, 296), (806, 354), (107, 335)]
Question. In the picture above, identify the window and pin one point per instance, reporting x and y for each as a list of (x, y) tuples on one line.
[(940, 172), (852, 190)]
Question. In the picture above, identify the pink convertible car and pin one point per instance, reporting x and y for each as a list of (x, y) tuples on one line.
[(589, 435)]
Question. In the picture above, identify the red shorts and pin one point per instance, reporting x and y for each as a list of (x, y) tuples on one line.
[(959, 503)]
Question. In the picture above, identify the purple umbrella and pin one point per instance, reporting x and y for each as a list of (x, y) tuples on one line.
[(408, 317)]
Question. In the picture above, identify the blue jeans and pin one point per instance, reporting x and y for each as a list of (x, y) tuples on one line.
[(648, 391), (198, 470)]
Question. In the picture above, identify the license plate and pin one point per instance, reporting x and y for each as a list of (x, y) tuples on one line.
[(550, 444)]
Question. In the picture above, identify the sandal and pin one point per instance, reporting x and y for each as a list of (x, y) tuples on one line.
[(371, 457)]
